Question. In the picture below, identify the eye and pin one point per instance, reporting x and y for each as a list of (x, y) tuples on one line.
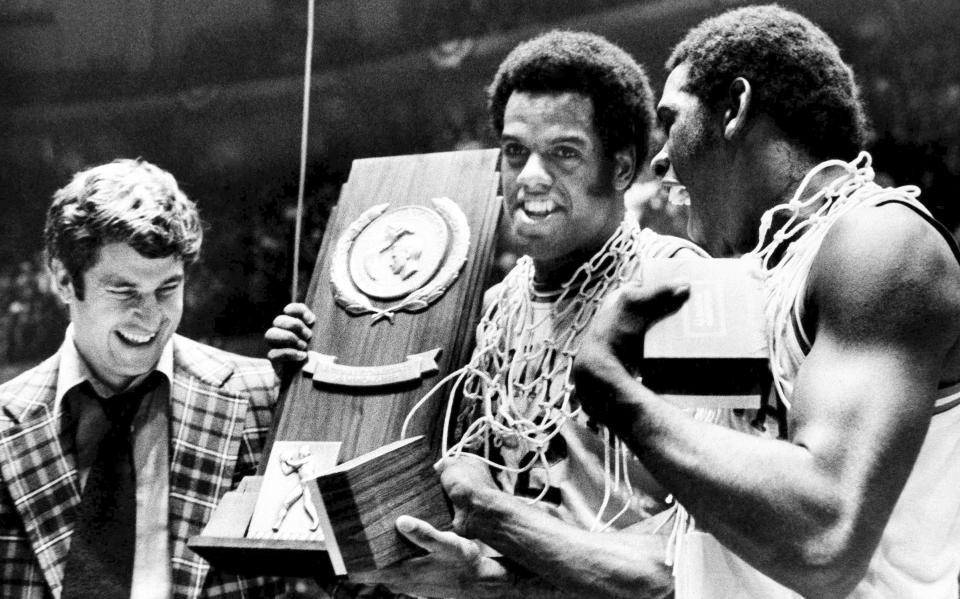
[(513, 151), (665, 118), (168, 290), (123, 293), (566, 152)]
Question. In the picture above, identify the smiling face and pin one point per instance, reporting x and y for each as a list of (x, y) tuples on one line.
[(132, 306), (693, 157), (562, 198)]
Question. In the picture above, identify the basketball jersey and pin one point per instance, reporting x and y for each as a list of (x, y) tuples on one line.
[(918, 556), (572, 480)]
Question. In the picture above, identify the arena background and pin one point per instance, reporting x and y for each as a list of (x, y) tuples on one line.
[(212, 92)]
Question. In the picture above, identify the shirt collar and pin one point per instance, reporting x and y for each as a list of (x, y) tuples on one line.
[(74, 369)]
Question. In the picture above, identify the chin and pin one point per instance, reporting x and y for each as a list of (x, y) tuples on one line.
[(531, 245)]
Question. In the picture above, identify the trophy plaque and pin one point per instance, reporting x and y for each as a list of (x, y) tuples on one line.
[(397, 291)]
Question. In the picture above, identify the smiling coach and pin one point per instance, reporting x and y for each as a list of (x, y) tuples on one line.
[(114, 450)]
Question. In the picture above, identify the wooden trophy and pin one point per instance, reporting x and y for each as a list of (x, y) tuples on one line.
[(397, 290)]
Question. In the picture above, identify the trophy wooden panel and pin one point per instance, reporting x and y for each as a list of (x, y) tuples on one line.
[(367, 418), (362, 499), (332, 399)]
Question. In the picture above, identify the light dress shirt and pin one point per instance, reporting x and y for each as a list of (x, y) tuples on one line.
[(151, 441)]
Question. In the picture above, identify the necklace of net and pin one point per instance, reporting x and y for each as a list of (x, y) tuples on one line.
[(785, 256), (517, 391)]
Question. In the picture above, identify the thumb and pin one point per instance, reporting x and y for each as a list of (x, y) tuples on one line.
[(652, 302), (443, 544), (633, 308)]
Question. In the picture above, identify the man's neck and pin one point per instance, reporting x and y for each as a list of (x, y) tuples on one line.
[(779, 168), (109, 389), (105, 388), (551, 275), (814, 186)]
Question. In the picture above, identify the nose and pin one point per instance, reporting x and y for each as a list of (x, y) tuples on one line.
[(534, 177), (148, 310), (661, 163)]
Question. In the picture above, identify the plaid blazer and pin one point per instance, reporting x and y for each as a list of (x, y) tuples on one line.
[(220, 412)]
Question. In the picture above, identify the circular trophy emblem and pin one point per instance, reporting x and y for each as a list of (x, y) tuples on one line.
[(408, 255), (398, 252)]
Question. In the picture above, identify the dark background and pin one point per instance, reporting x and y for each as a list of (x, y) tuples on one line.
[(212, 92)]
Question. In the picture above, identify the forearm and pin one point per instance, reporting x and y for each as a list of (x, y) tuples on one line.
[(800, 519), (581, 563)]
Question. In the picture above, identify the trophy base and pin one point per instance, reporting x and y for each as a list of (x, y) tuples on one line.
[(224, 544), (357, 502)]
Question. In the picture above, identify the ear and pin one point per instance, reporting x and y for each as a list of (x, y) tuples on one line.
[(739, 98), (624, 168), (62, 281)]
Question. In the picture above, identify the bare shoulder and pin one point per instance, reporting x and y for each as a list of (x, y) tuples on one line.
[(886, 269)]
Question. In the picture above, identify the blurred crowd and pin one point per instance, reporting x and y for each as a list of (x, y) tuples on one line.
[(230, 161), (31, 316)]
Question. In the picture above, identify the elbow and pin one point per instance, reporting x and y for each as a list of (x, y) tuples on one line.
[(833, 562)]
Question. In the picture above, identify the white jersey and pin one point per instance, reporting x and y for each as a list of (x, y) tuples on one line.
[(573, 480), (918, 556)]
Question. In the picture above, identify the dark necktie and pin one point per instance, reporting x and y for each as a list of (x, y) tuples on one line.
[(100, 562)]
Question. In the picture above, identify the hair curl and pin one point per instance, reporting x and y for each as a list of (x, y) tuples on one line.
[(127, 201), (585, 63), (794, 69)]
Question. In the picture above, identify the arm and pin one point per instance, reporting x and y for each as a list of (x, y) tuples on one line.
[(455, 567), (808, 512), (543, 557), (626, 563)]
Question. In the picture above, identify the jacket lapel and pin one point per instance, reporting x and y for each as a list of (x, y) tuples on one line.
[(207, 421), (39, 468)]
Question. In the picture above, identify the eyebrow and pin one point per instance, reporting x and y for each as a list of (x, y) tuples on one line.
[(120, 281), (570, 139), (178, 278), (565, 139)]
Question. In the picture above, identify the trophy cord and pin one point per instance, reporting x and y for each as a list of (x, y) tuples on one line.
[(304, 128)]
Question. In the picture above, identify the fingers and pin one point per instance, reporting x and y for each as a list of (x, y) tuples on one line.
[(420, 577), (385, 576), (293, 324), (613, 344), (291, 329), (288, 337), (301, 312), (624, 316), (280, 357), (463, 476), (652, 302), (455, 567), (442, 544)]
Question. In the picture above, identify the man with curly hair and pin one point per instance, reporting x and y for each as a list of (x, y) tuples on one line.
[(574, 114), (859, 498), (114, 450)]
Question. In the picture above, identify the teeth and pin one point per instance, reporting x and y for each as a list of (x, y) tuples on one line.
[(539, 207), (137, 339), (678, 195)]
